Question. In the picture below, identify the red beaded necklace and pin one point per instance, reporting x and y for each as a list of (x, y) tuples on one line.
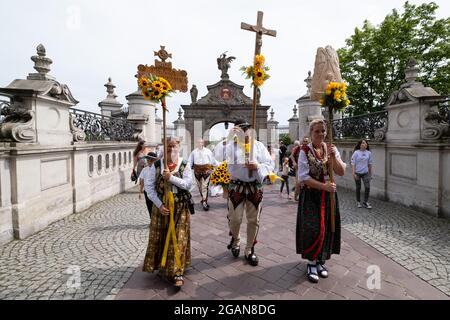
[(171, 166)]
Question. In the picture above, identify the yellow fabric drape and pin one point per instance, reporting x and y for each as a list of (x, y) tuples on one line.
[(169, 203)]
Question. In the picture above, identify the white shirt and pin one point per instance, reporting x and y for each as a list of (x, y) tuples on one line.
[(145, 175), (185, 183), (303, 165), (220, 153), (201, 157), (236, 162)]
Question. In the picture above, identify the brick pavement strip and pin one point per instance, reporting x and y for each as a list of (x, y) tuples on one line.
[(107, 243)]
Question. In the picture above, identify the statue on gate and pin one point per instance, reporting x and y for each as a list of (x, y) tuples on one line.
[(223, 63)]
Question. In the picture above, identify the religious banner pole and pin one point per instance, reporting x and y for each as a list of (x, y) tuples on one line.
[(157, 82), (329, 89), (260, 31)]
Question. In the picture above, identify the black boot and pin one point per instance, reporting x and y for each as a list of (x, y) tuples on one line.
[(252, 258), (235, 250)]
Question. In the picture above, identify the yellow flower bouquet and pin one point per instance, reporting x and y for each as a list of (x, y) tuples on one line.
[(335, 96), (220, 175), (257, 72), (154, 88)]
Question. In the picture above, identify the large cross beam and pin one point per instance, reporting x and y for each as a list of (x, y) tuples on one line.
[(260, 31)]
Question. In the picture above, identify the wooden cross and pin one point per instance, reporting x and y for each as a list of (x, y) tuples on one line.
[(260, 31)]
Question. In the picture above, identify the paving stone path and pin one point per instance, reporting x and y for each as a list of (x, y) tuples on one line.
[(97, 254)]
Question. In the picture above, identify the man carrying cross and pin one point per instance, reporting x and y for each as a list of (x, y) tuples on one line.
[(245, 191)]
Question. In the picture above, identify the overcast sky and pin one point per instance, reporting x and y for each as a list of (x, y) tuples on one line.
[(90, 40)]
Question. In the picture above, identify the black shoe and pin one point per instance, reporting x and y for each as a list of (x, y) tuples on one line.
[(252, 259), (235, 251), (311, 273), (321, 270), (205, 206)]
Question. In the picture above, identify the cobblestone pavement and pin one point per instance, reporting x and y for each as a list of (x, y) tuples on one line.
[(418, 242), (107, 243)]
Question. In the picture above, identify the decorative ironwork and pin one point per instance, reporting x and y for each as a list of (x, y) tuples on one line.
[(444, 111), (5, 109), (368, 126), (98, 127)]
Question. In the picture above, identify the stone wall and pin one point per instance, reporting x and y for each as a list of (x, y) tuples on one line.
[(417, 176), (40, 185)]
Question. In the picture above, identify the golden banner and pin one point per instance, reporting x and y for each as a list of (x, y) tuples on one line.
[(177, 78)]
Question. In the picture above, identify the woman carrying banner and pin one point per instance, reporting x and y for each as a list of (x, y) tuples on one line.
[(162, 255)]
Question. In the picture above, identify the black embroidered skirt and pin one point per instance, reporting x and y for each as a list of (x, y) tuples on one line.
[(314, 239)]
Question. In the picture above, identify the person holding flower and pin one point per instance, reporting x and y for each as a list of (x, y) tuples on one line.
[(179, 177), (245, 191), (315, 239)]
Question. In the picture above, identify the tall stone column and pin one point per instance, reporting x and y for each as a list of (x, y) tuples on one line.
[(180, 131), (272, 131), (308, 110), (158, 128), (141, 113), (110, 105)]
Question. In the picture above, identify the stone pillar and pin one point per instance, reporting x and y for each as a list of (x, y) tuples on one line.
[(110, 105), (272, 131), (293, 125), (141, 114), (38, 129), (180, 131), (158, 128), (40, 107), (418, 143), (308, 110)]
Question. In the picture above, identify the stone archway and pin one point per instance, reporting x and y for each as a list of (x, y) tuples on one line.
[(224, 102)]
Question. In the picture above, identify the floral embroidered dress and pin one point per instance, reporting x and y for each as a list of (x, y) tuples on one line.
[(314, 238), (181, 183)]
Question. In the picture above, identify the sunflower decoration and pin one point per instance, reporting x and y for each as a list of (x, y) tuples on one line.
[(335, 96), (257, 72), (154, 88), (221, 176)]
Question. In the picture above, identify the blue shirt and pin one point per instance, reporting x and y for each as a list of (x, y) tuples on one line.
[(361, 161)]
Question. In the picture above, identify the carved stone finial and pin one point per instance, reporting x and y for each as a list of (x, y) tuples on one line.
[(308, 83), (295, 111), (110, 89), (272, 115), (411, 70), (179, 114), (41, 65)]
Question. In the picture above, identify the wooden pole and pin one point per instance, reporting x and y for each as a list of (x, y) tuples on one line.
[(331, 167), (163, 103)]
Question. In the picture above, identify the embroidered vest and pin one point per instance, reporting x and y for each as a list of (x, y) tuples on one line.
[(181, 194), (318, 168)]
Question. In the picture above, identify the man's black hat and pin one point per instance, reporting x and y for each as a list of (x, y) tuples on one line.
[(151, 156)]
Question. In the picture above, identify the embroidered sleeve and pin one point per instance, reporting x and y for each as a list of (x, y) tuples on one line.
[(185, 182), (303, 167)]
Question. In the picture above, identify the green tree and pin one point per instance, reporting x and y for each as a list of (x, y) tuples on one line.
[(286, 139), (374, 58)]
